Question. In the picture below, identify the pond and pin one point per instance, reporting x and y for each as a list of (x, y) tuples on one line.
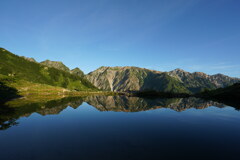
[(119, 127)]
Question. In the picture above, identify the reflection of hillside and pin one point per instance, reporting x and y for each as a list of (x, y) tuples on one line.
[(8, 113), (57, 108), (135, 104), (50, 107)]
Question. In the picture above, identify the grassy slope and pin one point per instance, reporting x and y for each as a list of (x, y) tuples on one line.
[(20, 68), (35, 92)]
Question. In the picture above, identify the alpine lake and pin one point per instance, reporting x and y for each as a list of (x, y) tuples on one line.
[(119, 128)]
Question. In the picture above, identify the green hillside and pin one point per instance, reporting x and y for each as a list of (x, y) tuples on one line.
[(228, 93), (12, 65)]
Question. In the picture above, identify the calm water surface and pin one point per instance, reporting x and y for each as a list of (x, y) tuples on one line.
[(123, 128)]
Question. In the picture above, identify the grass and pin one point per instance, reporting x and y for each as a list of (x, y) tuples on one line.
[(34, 92), (14, 66)]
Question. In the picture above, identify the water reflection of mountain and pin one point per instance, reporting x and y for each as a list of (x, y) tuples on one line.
[(136, 104), (9, 115)]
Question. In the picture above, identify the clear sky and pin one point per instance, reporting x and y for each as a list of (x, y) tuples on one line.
[(195, 35)]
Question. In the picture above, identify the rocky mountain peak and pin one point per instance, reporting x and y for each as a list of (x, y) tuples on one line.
[(29, 59), (77, 72), (178, 70), (55, 64), (130, 78), (200, 74), (178, 73), (124, 68)]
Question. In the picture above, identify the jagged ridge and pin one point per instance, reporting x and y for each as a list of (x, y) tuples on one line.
[(141, 79)]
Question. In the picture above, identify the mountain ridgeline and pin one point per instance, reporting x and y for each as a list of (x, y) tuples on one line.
[(117, 79), (47, 72), (55, 64), (124, 79), (60, 66)]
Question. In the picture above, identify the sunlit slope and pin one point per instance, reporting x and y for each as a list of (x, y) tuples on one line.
[(141, 79), (135, 79), (22, 69)]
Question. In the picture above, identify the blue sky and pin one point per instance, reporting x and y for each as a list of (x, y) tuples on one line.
[(195, 35)]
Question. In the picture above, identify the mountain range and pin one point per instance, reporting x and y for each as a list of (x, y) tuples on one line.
[(117, 79), (123, 79)]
